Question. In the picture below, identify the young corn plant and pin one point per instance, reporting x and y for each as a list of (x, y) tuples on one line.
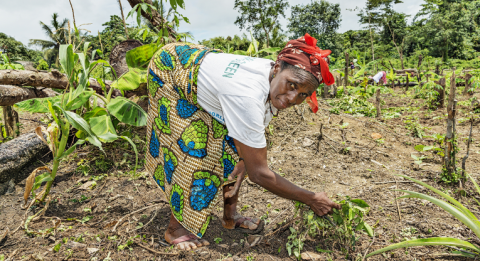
[(453, 207), (74, 110)]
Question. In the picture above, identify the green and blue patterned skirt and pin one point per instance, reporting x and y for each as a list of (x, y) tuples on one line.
[(189, 155)]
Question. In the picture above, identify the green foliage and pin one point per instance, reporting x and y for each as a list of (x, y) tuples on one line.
[(42, 65), (57, 34), (342, 228), (321, 19), (353, 105), (261, 16), (452, 206), (95, 125)]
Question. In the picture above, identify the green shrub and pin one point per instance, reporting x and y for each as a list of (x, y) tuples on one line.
[(42, 65)]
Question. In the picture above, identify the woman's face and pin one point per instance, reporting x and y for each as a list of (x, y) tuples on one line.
[(287, 89)]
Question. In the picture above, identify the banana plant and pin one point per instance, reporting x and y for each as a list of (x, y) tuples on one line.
[(453, 207), (73, 110)]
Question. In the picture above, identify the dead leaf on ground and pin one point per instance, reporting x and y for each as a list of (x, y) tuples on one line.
[(376, 136), (111, 224), (87, 185), (311, 256)]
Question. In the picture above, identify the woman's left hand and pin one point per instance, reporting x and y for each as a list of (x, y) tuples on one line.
[(239, 172)]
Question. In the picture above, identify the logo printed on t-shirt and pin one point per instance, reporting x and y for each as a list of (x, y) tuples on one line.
[(232, 67)]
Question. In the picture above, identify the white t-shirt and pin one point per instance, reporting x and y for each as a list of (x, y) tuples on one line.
[(234, 90)]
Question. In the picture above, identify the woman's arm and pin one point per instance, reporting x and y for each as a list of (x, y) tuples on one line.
[(258, 171)]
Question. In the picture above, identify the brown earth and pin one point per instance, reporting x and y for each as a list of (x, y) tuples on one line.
[(88, 214)]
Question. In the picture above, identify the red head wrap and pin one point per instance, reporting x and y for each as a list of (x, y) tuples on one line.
[(305, 54)]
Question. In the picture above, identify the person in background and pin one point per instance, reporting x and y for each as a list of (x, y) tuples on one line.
[(380, 76), (352, 67)]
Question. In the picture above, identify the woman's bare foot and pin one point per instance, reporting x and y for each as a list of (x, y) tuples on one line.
[(182, 238), (231, 218)]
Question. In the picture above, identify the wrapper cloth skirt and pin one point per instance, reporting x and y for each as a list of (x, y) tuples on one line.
[(190, 155)]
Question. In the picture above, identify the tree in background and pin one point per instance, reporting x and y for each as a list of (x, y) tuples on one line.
[(260, 15), (320, 19), (57, 34), (16, 51), (448, 28)]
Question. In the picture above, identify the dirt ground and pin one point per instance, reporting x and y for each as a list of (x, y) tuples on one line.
[(81, 216)]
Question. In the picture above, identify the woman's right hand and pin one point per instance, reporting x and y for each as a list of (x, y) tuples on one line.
[(321, 204)]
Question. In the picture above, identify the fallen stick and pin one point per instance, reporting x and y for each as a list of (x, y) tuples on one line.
[(396, 201), (393, 181), (136, 211), (154, 251), (366, 251), (290, 134)]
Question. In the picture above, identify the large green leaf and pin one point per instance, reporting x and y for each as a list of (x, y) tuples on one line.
[(102, 125), (271, 50), (67, 59), (80, 124), (434, 241), (127, 111), (97, 111), (131, 80), (40, 105), (471, 223), (444, 195), (79, 101), (140, 57)]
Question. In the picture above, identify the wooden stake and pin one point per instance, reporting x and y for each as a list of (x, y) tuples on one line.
[(468, 84), (379, 108), (10, 118), (464, 176), (450, 136), (345, 80)]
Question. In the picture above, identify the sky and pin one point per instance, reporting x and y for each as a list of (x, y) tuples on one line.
[(208, 18)]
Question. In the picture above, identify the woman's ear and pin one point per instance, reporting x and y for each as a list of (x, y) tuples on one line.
[(276, 68)]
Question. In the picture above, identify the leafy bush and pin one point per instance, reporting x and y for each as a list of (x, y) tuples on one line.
[(42, 65), (342, 229), (353, 105)]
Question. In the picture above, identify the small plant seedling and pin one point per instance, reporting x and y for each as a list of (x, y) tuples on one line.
[(418, 160), (218, 240)]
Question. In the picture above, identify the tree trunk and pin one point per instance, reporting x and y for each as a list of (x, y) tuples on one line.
[(156, 18), (437, 69), (54, 79), (9, 94)]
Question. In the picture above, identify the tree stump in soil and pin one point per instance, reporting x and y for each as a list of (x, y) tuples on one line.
[(117, 56)]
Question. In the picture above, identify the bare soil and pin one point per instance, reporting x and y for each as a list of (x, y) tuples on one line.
[(88, 214)]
